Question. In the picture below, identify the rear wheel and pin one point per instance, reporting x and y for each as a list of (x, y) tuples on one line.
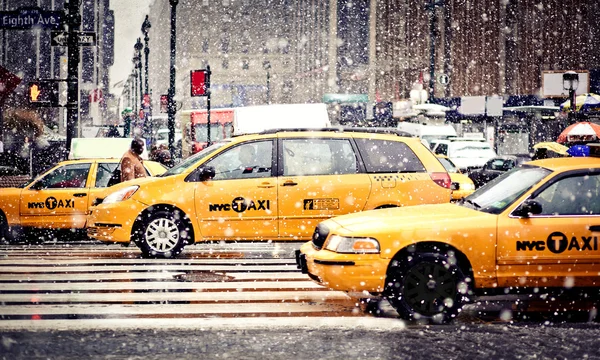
[(426, 287), (163, 234)]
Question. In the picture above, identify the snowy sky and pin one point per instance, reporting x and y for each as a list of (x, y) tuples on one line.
[(129, 15)]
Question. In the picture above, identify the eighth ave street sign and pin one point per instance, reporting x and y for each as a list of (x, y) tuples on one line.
[(84, 38)]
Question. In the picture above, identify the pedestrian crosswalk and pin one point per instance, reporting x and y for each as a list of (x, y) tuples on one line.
[(73, 284)]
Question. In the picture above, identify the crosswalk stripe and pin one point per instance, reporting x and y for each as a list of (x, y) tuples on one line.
[(180, 267), (174, 297), (150, 275), (67, 261), (156, 310), (162, 285)]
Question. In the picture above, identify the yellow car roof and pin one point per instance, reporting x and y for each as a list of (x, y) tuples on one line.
[(567, 163)]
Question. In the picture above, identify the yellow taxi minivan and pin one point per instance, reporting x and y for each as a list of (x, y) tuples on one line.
[(59, 199), (275, 185), (533, 229)]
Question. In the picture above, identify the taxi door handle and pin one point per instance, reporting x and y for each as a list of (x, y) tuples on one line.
[(266, 185), (594, 227), (80, 194), (290, 183)]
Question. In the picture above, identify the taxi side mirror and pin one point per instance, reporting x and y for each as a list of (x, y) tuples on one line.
[(202, 173), (528, 208)]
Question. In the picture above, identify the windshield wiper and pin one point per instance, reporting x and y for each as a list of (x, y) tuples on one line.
[(475, 205)]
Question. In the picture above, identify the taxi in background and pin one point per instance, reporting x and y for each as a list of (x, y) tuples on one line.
[(276, 185), (462, 185), (534, 229), (59, 199)]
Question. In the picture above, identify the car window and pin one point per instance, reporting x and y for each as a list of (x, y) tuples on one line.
[(497, 164), (575, 195), (448, 165), (104, 172), (442, 149), (248, 160), (318, 157), (68, 176), (383, 156)]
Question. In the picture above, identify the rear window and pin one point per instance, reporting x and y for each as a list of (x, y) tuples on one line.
[(383, 156)]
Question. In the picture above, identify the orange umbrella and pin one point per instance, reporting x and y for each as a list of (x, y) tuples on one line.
[(581, 131)]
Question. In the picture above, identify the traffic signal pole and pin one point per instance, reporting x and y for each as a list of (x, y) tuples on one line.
[(74, 24)]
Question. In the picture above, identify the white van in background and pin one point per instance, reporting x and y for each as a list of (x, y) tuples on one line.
[(466, 153), (427, 133)]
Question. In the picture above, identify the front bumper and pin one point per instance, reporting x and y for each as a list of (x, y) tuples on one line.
[(353, 273), (114, 222)]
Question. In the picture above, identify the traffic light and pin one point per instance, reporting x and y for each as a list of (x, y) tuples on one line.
[(43, 93)]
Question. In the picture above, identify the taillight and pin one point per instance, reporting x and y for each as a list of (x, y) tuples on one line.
[(441, 178)]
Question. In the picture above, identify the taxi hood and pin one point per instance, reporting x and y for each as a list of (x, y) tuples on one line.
[(420, 216)]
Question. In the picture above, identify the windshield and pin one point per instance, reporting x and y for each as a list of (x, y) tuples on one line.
[(192, 160), (448, 165), (471, 150), (498, 194)]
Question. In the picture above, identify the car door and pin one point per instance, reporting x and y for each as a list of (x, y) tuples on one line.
[(319, 178), (59, 199), (558, 247), (240, 202)]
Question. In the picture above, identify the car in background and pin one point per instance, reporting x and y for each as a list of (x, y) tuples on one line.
[(461, 186), (162, 137), (496, 167), (59, 199), (532, 229), (274, 185), (466, 153)]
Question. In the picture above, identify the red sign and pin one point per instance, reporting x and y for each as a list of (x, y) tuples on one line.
[(8, 82), (146, 101), (142, 114), (96, 95), (200, 82), (164, 103)]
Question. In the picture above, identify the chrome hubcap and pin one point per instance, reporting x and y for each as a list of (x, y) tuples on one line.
[(162, 235)]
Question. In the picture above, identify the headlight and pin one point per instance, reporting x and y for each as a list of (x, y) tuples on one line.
[(121, 195), (347, 245), (467, 186)]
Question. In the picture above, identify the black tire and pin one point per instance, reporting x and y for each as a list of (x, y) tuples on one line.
[(426, 286), (162, 235)]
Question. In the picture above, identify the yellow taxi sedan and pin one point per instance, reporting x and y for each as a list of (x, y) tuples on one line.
[(59, 198), (276, 185), (533, 229), (462, 186)]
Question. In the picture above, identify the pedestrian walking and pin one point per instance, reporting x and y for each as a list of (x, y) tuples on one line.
[(131, 162)]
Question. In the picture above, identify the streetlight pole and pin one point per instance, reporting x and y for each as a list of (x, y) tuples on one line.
[(138, 65), (145, 27), (74, 20), (171, 94), (431, 6)]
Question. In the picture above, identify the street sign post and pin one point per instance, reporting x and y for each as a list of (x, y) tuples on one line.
[(84, 38), (26, 18)]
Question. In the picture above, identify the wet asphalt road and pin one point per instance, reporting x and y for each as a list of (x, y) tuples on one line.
[(485, 330)]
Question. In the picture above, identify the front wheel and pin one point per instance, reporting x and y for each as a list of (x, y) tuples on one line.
[(162, 235), (426, 287)]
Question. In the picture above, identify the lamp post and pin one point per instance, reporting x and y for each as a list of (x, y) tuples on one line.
[(171, 94), (431, 6), (267, 67), (145, 28), (138, 58)]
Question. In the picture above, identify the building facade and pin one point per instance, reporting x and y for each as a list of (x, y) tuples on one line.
[(29, 55)]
